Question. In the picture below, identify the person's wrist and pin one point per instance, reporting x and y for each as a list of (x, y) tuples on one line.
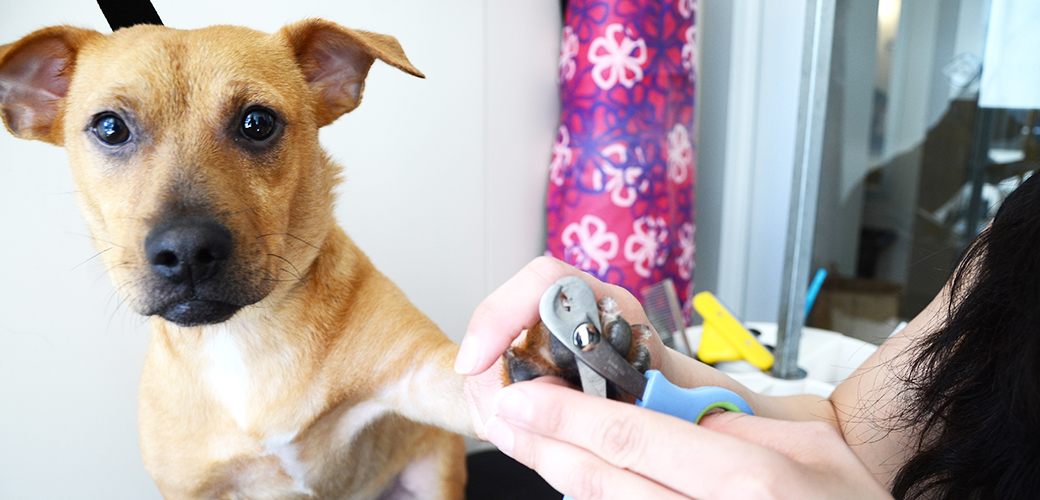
[(689, 372)]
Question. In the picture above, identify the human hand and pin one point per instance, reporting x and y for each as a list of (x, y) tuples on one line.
[(589, 447), (510, 311)]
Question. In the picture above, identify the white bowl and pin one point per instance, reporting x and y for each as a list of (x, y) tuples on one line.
[(827, 357)]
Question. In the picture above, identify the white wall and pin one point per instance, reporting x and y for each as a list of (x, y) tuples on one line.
[(714, 25), (746, 149), (444, 190), (783, 26)]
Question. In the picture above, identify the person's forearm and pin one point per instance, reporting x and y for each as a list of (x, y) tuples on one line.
[(688, 372)]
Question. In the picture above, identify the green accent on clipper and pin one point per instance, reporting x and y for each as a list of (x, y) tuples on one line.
[(725, 405)]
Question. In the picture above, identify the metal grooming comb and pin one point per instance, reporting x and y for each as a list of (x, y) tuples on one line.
[(661, 303)]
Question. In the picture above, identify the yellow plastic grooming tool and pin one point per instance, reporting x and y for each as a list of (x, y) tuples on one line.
[(724, 338)]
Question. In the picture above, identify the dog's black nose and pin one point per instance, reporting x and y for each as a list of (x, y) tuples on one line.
[(188, 249)]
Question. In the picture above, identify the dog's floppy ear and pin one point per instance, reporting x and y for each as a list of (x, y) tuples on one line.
[(34, 77), (335, 60)]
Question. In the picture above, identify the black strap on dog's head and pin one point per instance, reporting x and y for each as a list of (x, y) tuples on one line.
[(126, 13)]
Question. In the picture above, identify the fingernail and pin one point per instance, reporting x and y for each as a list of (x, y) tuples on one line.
[(500, 434), (466, 360), (513, 404)]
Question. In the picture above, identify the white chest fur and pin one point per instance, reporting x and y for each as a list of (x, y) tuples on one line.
[(288, 453), (227, 374)]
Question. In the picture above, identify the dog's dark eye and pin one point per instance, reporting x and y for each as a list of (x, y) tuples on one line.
[(258, 124), (111, 129)]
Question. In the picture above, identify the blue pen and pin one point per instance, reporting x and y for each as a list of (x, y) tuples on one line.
[(814, 290), (568, 309)]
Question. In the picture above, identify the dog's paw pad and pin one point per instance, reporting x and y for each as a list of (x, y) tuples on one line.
[(541, 354)]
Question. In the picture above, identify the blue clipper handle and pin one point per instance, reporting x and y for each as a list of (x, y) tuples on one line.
[(687, 404)]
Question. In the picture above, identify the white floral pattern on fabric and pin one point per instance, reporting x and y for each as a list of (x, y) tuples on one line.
[(687, 8), (680, 153), (588, 243), (689, 53), (646, 248), (562, 156), (633, 64), (684, 262), (568, 53), (622, 180), (613, 60)]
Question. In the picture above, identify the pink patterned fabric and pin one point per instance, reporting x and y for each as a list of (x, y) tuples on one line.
[(620, 201)]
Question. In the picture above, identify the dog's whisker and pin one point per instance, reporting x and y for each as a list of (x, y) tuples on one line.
[(269, 276), (92, 257), (295, 277), (114, 244), (126, 311), (109, 268), (119, 289), (118, 298), (290, 273), (95, 239), (297, 273), (100, 277), (249, 209), (293, 236)]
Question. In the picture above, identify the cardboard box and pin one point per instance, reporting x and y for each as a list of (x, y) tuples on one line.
[(864, 309)]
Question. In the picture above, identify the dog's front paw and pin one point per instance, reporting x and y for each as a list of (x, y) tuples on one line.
[(540, 353)]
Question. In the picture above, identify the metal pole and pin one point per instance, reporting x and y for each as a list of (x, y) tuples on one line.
[(812, 110)]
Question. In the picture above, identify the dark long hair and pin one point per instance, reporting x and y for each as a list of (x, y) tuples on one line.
[(973, 385)]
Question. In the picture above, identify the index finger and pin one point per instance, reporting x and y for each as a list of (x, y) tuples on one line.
[(513, 307), (672, 452)]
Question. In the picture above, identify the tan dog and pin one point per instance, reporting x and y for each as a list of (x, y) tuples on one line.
[(282, 363)]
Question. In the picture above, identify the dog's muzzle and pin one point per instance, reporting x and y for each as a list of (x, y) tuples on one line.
[(189, 256)]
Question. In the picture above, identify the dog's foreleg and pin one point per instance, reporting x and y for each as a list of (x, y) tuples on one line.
[(432, 393)]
